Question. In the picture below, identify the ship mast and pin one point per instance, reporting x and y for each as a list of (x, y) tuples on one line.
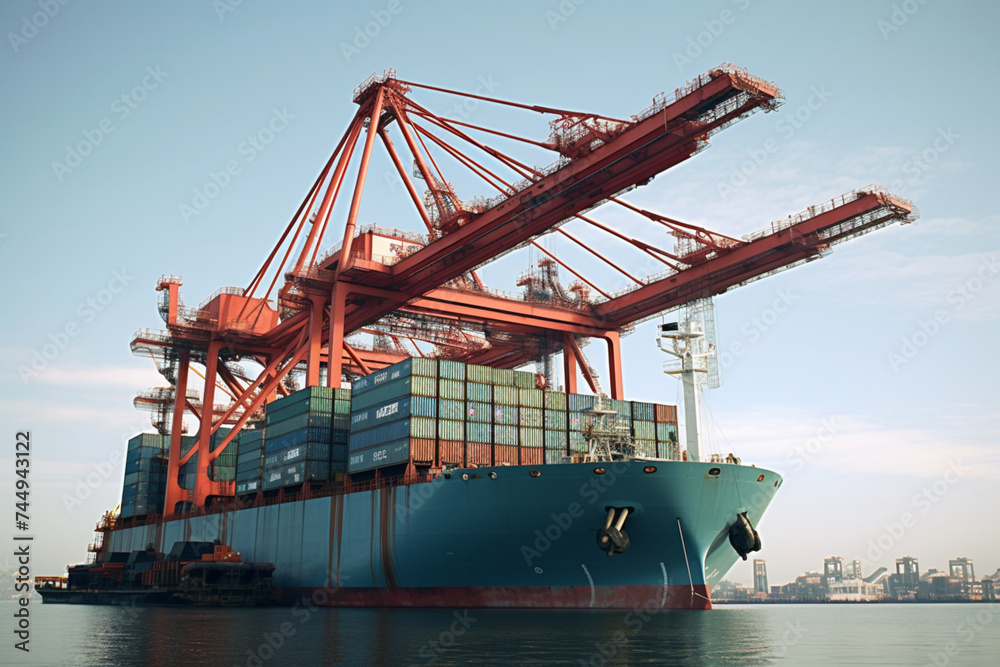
[(692, 342)]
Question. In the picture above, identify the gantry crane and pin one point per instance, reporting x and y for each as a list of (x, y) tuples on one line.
[(305, 311)]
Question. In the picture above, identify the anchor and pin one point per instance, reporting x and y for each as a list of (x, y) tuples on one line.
[(612, 536), (743, 537)]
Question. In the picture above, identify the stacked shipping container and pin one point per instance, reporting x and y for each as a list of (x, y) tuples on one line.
[(394, 416), (249, 460), (305, 437), (444, 412), (426, 411), (222, 469), (145, 483)]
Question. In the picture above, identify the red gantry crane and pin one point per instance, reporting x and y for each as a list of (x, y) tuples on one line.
[(400, 287)]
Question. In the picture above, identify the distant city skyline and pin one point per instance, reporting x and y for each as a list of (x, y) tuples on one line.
[(905, 583)]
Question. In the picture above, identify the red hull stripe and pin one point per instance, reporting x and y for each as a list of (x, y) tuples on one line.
[(512, 597)]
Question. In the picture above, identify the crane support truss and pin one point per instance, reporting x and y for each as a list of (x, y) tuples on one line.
[(302, 312)]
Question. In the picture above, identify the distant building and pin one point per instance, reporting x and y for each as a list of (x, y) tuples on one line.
[(727, 591), (961, 568), (943, 587), (807, 587), (833, 568), (760, 576), (854, 590), (988, 589), (854, 570), (904, 583), (909, 568)]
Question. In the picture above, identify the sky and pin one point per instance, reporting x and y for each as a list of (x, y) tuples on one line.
[(867, 379)]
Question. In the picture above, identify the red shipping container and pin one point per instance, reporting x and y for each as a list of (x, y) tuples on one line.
[(452, 451), (479, 453), (422, 449), (532, 456), (505, 455), (666, 414)]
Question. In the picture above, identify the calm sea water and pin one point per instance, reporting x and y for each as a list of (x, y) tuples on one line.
[(940, 634)]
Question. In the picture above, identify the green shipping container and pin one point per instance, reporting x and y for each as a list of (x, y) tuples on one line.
[(645, 447), (623, 408), (532, 417), (643, 412), (644, 430), (298, 422), (503, 377), (556, 440), (385, 393), (378, 456), (505, 435), (450, 430), (532, 398), (480, 374), (475, 391), (452, 370), (505, 414), (554, 456), (505, 395), (449, 409), (555, 420), (451, 389), (524, 380), (666, 432), (555, 400), (478, 412), (422, 386), (477, 432), (532, 437)]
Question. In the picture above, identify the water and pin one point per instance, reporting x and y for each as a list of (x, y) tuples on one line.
[(884, 634)]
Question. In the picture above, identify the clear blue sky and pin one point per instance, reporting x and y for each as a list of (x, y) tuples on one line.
[(906, 100)]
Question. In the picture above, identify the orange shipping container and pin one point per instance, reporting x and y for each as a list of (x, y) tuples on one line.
[(452, 451), (666, 414), (532, 456), (422, 449), (505, 455), (479, 453)]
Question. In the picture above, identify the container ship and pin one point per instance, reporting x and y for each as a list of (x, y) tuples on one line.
[(512, 514), (362, 422)]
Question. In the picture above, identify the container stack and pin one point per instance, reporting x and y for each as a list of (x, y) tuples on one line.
[(223, 469), (249, 461), (577, 420), (145, 484), (186, 474), (394, 416), (666, 432), (556, 427), (644, 428), (305, 437), (442, 412)]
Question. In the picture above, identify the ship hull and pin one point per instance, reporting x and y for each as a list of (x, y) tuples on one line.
[(513, 541)]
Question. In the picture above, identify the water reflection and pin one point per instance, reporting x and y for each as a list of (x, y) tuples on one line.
[(880, 634)]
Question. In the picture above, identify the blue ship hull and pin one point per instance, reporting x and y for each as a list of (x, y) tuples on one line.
[(512, 541)]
